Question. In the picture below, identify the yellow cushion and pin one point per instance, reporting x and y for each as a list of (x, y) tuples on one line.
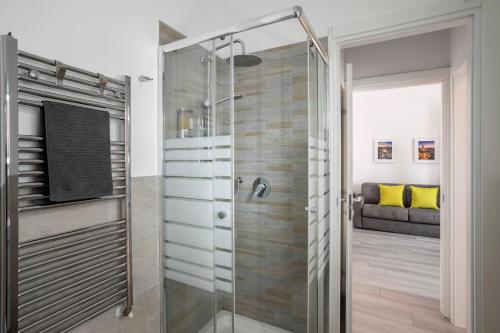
[(424, 197), (391, 195)]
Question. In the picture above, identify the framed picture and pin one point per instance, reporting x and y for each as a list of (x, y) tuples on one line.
[(425, 150), (383, 150)]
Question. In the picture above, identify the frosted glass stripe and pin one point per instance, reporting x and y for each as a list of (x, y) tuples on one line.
[(322, 266), (222, 152), (223, 239), (223, 169), (223, 188), (223, 258), (188, 155), (322, 154), (176, 143), (223, 273), (197, 188), (193, 212), (202, 272), (223, 140), (188, 143), (190, 280), (196, 154), (313, 167), (188, 169), (189, 235), (324, 184), (323, 205), (197, 169), (223, 285), (323, 226), (322, 168), (196, 256), (189, 188), (322, 244), (311, 235), (311, 250), (313, 142), (198, 282), (313, 180)]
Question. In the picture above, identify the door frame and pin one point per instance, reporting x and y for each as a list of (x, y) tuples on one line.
[(393, 26)]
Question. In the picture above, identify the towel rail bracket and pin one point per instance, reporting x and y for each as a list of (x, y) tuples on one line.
[(103, 82), (60, 71)]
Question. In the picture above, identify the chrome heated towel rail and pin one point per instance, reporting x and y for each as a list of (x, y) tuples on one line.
[(56, 282)]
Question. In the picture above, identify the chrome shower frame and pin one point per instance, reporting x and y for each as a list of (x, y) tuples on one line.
[(295, 12)]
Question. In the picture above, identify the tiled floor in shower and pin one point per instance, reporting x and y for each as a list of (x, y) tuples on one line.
[(242, 325)]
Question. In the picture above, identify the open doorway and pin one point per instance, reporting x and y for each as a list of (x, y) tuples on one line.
[(406, 132), (396, 245)]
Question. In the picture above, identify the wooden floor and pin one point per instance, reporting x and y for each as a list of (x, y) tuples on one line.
[(396, 284)]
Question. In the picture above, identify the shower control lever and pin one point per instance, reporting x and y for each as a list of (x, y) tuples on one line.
[(261, 188), (222, 214)]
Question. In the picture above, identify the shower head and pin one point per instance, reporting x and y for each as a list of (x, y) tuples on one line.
[(246, 60), (243, 59)]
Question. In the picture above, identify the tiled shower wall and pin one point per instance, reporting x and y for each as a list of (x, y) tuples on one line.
[(271, 126)]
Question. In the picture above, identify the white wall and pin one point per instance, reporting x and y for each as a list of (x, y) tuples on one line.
[(460, 56), (111, 37), (403, 55), (400, 114)]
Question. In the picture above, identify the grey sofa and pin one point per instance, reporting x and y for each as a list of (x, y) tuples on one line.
[(405, 220)]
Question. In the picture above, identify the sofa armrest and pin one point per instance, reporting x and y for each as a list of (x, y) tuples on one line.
[(358, 203)]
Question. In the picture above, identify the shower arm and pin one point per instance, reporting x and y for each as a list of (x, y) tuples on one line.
[(237, 40), (207, 103)]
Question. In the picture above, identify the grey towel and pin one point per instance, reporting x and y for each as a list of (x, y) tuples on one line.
[(78, 152)]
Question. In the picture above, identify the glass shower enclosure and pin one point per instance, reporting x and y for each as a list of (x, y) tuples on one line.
[(246, 132)]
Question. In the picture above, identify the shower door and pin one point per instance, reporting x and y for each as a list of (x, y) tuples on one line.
[(318, 193), (197, 188)]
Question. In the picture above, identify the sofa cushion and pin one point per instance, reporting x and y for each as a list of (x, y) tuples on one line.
[(422, 215), (408, 193), (391, 195), (371, 192), (385, 212), (422, 197)]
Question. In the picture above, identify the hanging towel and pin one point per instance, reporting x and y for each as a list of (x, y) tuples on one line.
[(78, 152)]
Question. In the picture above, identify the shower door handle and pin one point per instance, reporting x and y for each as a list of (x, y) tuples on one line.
[(222, 214)]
